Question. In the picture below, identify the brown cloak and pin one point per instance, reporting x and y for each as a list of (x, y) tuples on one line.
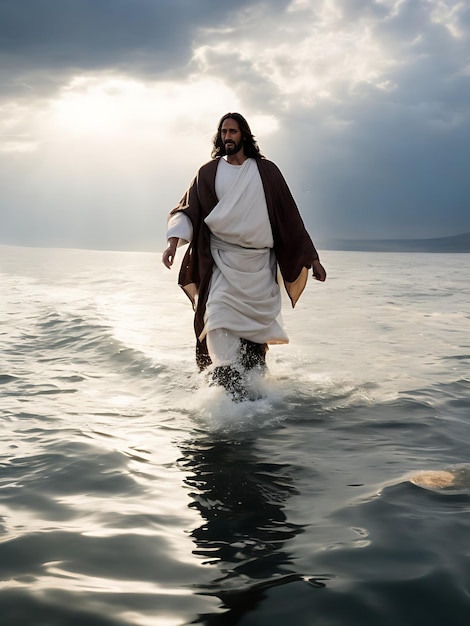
[(293, 246)]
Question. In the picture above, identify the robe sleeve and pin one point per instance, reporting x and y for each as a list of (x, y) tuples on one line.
[(179, 225), (196, 266)]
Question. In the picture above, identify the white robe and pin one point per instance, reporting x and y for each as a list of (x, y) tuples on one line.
[(244, 297)]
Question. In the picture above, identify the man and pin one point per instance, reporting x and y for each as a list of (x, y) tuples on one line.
[(241, 223)]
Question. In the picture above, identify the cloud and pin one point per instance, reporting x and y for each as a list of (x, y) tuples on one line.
[(107, 109), (43, 41)]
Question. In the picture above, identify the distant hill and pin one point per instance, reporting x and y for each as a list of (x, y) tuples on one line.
[(455, 243)]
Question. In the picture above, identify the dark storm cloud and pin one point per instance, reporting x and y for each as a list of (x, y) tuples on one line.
[(398, 178), (42, 41), (393, 170)]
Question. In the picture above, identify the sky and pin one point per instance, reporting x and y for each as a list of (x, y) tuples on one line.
[(109, 107)]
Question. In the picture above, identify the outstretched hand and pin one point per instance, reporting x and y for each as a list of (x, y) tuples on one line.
[(319, 272), (169, 255)]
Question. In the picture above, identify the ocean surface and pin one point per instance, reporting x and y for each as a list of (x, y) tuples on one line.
[(132, 493)]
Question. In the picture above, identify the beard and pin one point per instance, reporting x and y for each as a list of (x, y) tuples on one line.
[(232, 147)]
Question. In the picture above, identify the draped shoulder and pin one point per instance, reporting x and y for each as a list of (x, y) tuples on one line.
[(293, 246)]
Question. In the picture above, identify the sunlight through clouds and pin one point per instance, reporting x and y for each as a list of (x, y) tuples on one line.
[(322, 63), (448, 13), (309, 60), (13, 138), (20, 145), (118, 149), (106, 109), (109, 105), (135, 128)]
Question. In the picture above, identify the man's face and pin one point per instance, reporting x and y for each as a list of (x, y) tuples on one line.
[(231, 136)]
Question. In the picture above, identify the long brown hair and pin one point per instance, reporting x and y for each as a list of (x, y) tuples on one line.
[(250, 146)]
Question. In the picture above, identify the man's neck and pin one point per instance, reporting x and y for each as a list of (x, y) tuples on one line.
[(237, 159)]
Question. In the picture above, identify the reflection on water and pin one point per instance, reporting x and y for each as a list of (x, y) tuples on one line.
[(244, 532)]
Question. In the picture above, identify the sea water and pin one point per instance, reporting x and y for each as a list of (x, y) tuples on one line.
[(133, 493)]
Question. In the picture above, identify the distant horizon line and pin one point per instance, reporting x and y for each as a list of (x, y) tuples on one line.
[(448, 243), (464, 234)]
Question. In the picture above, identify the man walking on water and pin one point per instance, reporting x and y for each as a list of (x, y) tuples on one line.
[(241, 223)]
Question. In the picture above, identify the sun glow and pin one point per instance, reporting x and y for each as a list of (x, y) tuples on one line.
[(100, 111), (106, 106)]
